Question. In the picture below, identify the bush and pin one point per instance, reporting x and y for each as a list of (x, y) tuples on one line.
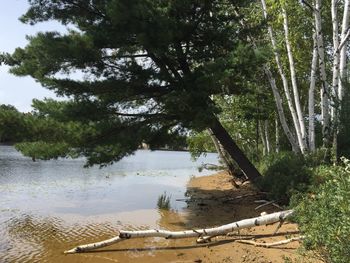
[(283, 174), (324, 214)]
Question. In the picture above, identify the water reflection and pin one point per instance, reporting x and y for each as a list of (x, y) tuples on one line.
[(47, 207)]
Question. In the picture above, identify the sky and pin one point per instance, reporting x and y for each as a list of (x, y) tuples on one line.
[(19, 91)]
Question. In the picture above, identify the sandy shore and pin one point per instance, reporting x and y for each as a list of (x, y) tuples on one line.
[(211, 201)]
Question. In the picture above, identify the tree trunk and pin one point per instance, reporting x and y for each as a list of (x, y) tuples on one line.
[(267, 138), (301, 142), (263, 139), (200, 233), (335, 79), (280, 110), (293, 77), (277, 149), (342, 58), (324, 87), (312, 96), (222, 154), (233, 150)]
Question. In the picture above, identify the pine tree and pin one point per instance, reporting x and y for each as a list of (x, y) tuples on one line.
[(148, 67)]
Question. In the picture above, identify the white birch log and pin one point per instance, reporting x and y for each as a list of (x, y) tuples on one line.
[(301, 142), (311, 98), (293, 76), (322, 67), (215, 231)]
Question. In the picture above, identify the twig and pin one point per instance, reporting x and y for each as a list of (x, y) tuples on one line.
[(273, 244)]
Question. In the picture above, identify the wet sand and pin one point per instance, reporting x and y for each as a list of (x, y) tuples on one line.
[(212, 201)]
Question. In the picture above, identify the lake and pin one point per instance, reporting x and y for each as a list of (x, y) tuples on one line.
[(49, 206)]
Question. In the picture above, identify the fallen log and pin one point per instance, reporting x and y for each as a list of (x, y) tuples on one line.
[(215, 231)]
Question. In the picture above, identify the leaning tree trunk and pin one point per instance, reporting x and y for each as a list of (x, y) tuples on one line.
[(222, 154), (302, 145), (278, 100), (293, 77), (233, 150), (202, 234), (280, 110)]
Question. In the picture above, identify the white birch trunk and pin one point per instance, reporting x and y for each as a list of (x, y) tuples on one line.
[(322, 67), (312, 96), (335, 70), (342, 57), (280, 110), (285, 84), (215, 231), (267, 138), (279, 104), (293, 77), (262, 137), (277, 134)]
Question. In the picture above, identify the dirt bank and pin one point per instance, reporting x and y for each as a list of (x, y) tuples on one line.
[(211, 201)]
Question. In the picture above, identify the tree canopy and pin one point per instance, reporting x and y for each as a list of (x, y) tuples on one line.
[(136, 71)]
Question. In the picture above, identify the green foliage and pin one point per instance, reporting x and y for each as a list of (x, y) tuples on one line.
[(164, 201), (199, 143), (283, 174), (12, 125), (149, 69), (324, 214), (42, 150)]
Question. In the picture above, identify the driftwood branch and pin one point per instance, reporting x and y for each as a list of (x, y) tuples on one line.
[(274, 244), (216, 231)]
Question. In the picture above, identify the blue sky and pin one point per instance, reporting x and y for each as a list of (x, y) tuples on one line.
[(19, 91)]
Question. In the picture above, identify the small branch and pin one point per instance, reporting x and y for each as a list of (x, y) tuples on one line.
[(344, 40), (274, 244)]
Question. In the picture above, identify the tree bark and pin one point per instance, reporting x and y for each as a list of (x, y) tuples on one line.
[(277, 149), (301, 142), (311, 102), (262, 137), (222, 154), (233, 150), (280, 110), (342, 58), (293, 77), (267, 138), (201, 233), (324, 87)]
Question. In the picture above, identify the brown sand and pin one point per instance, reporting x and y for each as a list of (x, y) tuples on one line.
[(212, 201)]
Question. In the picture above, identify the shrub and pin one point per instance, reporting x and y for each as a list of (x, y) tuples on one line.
[(163, 201), (283, 174), (324, 214)]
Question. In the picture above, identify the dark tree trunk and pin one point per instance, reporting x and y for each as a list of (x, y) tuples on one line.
[(234, 151)]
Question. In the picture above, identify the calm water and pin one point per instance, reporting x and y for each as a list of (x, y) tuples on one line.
[(45, 207)]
